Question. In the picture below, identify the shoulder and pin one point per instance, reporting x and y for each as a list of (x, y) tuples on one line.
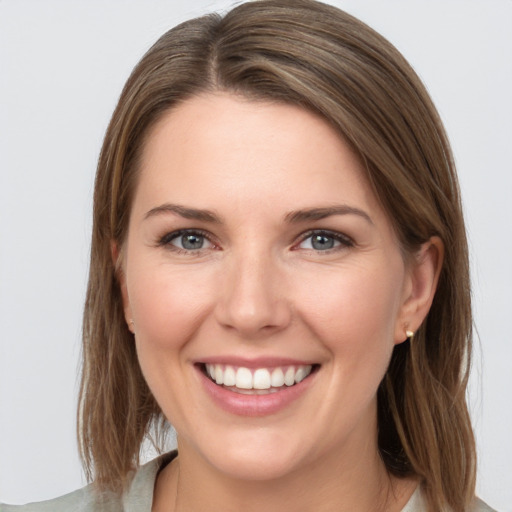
[(82, 500), (480, 506), (417, 503), (137, 498)]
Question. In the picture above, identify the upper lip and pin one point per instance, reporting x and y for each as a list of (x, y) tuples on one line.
[(258, 362)]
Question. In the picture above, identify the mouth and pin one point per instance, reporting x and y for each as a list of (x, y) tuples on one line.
[(257, 381)]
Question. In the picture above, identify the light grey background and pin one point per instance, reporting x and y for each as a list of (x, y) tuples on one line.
[(62, 66)]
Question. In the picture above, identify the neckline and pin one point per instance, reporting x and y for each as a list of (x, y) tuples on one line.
[(139, 496)]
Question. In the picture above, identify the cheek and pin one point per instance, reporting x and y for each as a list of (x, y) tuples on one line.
[(167, 305), (353, 312), (355, 304)]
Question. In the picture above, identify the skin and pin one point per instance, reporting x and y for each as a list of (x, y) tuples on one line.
[(258, 288)]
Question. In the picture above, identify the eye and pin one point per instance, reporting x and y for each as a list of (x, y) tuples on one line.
[(186, 240), (324, 241)]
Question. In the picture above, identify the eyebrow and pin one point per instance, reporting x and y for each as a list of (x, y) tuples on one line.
[(311, 214), (185, 212), (293, 217)]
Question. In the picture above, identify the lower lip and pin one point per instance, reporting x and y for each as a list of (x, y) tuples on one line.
[(254, 405)]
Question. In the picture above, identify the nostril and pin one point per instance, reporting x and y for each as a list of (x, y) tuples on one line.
[(252, 301), (251, 319)]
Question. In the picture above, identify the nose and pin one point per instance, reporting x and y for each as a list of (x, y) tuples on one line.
[(253, 298)]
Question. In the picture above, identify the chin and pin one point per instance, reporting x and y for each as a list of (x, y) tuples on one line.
[(255, 467), (255, 456)]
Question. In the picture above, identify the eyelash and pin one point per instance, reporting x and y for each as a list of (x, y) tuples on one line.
[(343, 240), (168, 238)]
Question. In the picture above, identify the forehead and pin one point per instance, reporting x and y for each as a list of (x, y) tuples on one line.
[(218, 150)]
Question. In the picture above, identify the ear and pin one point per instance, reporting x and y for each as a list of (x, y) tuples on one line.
[(420, 287), (117, 259)]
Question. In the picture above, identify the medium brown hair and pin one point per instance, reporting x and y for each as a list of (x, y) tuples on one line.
[(315, 56)]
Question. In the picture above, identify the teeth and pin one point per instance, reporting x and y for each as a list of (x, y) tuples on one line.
[(289, 376), (301, 374), (243, 378), (261, 379), (229, 376), (219, 375), (258, 379), (277, 379)]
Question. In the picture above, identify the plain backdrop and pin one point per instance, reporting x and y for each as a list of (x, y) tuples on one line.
[(62, 67)]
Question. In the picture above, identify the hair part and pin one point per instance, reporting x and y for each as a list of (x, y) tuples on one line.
[(315, 56)]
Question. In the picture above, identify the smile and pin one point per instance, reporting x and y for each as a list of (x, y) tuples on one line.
[(256, 388), (257, 380)]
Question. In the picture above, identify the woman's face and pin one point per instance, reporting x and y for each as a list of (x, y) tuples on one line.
[(257, 253)]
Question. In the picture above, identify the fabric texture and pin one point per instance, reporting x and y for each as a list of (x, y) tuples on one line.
[(139, 496)]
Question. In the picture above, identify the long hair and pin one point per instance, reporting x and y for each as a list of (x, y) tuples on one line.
[(304, 53)]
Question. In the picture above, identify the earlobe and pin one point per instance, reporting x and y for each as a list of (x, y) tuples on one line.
[(117, 260), (423, 277)]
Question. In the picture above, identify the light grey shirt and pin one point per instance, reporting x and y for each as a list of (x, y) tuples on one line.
[(139, 496)]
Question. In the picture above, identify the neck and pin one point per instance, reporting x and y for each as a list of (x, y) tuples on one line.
[(190, 484)]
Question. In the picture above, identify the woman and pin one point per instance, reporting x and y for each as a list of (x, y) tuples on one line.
[(279, 269)]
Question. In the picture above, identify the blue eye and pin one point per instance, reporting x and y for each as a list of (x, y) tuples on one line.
[(186, 240), (324, 241), (190, 241)]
